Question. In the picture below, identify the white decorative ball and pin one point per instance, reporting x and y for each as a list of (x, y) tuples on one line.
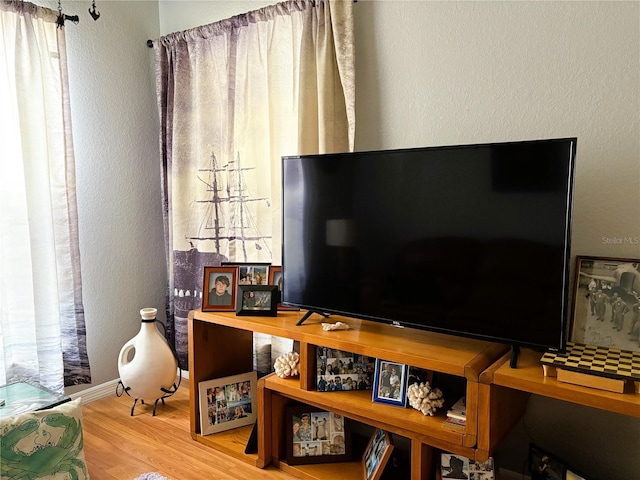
[(286, 365), (424, 398)]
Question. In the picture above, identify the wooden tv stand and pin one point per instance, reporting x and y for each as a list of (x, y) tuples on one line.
[(221, 344)]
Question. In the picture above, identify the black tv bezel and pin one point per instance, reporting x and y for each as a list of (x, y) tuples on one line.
[(515, 344)]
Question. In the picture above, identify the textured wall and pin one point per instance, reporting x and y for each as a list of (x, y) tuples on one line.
[(115, 125)]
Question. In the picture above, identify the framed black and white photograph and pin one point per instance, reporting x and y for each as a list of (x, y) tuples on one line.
[(376, 455), (389, 383), (454, 466), (606, 303), (316, 436), (228, 402), (257, 300), (219, 289), (251, 273), (337, 370), (276, 278)]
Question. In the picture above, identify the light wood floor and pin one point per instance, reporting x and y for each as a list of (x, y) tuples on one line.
[(120, 446)]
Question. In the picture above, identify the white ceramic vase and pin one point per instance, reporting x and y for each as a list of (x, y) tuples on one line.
[(146, 364)]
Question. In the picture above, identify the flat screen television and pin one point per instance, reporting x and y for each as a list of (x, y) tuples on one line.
[(470, 240)]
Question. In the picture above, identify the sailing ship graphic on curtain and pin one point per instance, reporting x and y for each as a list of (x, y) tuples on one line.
[(227, 229)]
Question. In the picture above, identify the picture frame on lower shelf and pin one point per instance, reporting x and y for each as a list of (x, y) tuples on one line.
[(454, 466), (605, 304), (228, 402), (316, 436), (389, 384), (376, 455), (457, 466), (257, 300)]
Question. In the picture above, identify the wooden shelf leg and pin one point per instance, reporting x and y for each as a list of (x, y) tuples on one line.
[(264, 425), (421, 461)]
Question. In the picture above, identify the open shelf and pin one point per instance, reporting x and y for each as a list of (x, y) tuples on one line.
[(358, 406), (529, 377), (231, 442)]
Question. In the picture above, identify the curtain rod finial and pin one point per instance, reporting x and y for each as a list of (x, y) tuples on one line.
[(150, 43)]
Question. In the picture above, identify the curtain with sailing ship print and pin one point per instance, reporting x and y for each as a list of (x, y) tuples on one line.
[(234, 97)]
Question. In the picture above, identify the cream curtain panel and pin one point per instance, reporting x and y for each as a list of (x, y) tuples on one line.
[(42, 329), (234, 97)]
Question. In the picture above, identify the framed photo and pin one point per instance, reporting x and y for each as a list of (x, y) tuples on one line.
[(389, 383), (275, 278), (606, 303), (251, 273), (316, 436), (257, 300), (454, 466), (543, 465), (219, 288), (376, 455), (228, 402), (337, 370)]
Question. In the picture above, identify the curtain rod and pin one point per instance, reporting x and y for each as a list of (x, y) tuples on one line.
[(150, 42)]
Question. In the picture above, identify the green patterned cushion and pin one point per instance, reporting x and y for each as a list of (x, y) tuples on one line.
[(44, 443)]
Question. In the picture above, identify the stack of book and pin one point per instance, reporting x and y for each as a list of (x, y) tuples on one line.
[(457, 415)]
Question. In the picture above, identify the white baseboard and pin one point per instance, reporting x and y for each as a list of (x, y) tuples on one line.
[(92, 394), (107, 389)]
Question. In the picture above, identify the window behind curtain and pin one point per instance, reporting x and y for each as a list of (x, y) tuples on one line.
[(42, 328)]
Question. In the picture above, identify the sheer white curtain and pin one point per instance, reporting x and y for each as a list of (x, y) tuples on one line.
[(234, 97), (42, 331)]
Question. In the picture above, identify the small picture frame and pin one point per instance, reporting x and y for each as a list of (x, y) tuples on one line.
[(276, 278), (482, 470), (376, 455), (337, 370), (389, 383), (251, 273), (544, 465), (219, 289), (228, 402), (316, 436), (454, 466), (606, 303), (257, 300)]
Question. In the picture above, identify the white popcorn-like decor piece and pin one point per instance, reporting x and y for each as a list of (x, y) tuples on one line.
[(424, 398), (287, 365), (335, 326)]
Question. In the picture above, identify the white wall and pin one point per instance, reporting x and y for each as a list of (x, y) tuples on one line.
[(115, 127), (428, 73)]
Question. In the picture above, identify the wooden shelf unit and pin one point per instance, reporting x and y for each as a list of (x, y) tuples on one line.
[(528, 377), (220, 344)]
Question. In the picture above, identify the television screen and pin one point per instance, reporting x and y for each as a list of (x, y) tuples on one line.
[(470, 240)]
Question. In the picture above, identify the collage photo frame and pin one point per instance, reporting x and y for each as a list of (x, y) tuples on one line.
[(316, 436), (337, 370), (228, 402)]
